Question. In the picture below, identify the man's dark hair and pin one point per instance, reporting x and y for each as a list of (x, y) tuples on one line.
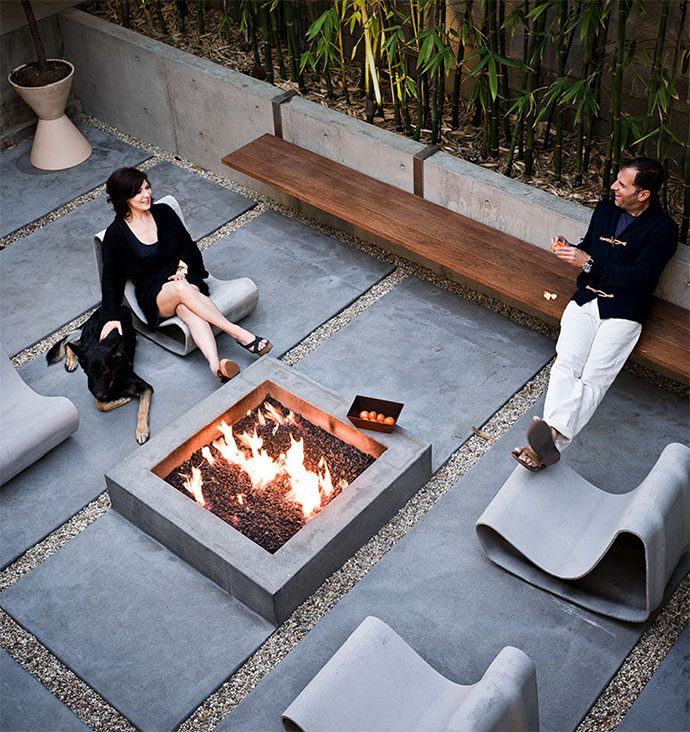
[(650, 174), (122, 185)]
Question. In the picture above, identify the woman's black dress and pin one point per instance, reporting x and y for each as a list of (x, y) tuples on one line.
[(148, 265)]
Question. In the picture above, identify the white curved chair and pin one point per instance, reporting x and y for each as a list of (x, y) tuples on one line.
[(375, 681), (611, 553), (32, 424), (234, 298)]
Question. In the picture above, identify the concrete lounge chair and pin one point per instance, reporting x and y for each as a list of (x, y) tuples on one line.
[(234, 298), (32, 424), (610, 553), (375, 681)]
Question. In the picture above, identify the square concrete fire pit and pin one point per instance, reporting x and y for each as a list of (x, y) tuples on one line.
[(273, 585)]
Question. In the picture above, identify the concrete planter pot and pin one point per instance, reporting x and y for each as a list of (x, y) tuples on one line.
[(58, 144)]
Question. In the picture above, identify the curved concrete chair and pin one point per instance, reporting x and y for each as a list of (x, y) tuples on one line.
[(610, 553), (375, 681), (234, 298), (32, 424)]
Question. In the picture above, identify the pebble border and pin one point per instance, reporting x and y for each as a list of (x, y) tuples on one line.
[(608, 709)]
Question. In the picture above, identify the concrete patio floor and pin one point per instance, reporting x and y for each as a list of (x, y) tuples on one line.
[(117, 632)]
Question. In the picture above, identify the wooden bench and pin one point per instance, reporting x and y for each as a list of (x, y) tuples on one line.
[(446, 242)]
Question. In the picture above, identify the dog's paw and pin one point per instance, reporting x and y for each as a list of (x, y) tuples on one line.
[(71, 366), (143, 436)]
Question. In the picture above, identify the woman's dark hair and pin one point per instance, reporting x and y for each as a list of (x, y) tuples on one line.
[(649, 176), (122, 185)]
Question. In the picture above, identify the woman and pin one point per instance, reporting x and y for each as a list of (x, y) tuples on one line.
[(148, 244)]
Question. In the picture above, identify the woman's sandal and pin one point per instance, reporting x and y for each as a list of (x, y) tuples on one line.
[(517, 452), (227, 370), (541, 441), (253, 347)]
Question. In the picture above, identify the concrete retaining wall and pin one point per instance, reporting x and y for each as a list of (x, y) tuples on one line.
[(202, 111)]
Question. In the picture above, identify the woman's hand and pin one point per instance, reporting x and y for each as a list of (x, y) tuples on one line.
[(110, 326), (178, 276)]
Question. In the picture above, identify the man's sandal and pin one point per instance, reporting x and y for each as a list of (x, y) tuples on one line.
[(541, 441), (254, 348), (227, 370), (518, 451)]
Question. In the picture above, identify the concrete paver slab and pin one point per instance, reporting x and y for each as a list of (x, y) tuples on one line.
[(146, 631), (451, 362), (664, 704), (304, 277), (27, 706), (28, 193), (269, 250), (438, 590), (50, 277)]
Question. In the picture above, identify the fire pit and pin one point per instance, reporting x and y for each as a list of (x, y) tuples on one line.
[(264, 487)]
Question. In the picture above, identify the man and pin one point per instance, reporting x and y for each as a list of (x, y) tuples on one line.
[(627, 245)]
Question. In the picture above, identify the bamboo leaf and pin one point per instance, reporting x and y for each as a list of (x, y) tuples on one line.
[(493, 79)]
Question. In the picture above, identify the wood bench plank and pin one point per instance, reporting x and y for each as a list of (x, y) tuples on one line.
[(467, 251)]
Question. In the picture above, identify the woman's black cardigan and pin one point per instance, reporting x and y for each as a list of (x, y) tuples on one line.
[(120, 262), (627, 267)]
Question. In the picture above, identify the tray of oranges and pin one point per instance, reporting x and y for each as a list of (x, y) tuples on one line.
[(370, 413)]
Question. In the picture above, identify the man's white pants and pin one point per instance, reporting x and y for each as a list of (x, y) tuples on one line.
[(589, 354)]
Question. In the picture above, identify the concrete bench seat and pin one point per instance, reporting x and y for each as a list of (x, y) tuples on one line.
[(234, 298), (32, 424), (464, 250), (375, 681), (611, 553)]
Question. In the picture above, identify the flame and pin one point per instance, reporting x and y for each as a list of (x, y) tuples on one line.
[(307, 488), (193, 485)]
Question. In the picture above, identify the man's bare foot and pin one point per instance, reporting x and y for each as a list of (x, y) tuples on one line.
[(527, 458)]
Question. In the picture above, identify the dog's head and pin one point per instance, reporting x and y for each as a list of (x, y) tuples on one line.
[(103, 363)]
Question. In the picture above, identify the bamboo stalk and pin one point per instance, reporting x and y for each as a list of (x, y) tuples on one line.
[(624, 7), (161, 19), (459, 57), (266, 33), (276, 45), (124, 13), (656, 67), (200, 16), (533, 84)]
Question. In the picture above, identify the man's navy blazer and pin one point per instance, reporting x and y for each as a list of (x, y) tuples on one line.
[(627, 267)]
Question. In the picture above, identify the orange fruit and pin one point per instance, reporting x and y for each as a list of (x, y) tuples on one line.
[(364, 414), (372, 415), (380, 417), (389, 420)]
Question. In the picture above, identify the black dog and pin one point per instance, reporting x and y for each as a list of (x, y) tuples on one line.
[(108, 365)]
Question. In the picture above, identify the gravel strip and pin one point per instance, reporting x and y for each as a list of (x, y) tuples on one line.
[(638, 668), (93, 710)]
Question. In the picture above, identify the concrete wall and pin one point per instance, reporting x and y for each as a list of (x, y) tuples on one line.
[(173, 99), (379, 153), (203, 111)]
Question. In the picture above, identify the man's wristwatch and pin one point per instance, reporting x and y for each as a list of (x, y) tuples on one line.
[(587, 266)]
